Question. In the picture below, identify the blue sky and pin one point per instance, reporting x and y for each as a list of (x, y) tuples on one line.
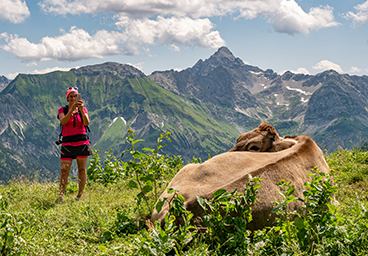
[(41, 36)]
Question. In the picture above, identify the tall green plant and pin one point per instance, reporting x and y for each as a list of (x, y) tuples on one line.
[(172, 237), (284, 217), (147, 172), (314, 227), (319, 218), (110, 172), (227, 215)]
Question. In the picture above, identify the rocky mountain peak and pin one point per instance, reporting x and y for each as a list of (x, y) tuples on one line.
[(223, 57), (223, 53)]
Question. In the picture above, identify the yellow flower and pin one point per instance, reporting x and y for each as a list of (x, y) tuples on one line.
[(283, 180)]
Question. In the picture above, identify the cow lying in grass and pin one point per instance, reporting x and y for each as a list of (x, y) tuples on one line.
[(260, 152)]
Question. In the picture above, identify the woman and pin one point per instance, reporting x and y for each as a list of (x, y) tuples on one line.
[(75, 142)]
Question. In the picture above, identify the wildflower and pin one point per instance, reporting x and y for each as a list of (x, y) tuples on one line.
[(283, 181), (315, 167)]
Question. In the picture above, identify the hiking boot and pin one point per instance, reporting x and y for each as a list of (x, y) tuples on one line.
[(78, 198), (59, 200)]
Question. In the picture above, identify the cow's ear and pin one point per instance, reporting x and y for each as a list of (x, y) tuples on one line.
[(263, 127), (284, 144), (239, 146)]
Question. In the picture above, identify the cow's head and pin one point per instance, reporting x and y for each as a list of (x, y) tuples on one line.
[(262, 139)]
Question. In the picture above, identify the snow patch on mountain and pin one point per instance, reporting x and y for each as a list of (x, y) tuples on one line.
[(298, 90)]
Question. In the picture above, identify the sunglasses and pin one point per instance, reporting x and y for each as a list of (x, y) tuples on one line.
[(75, 88)]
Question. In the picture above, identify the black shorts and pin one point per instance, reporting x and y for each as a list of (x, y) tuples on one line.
[(70, 152)]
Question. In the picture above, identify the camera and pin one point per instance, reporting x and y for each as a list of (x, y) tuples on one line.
[(58, 142)]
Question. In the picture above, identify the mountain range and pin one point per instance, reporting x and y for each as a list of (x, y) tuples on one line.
[(205, 107)]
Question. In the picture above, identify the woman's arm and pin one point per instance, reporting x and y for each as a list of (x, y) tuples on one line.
[(84, 114), (65, 118), (85, 117)]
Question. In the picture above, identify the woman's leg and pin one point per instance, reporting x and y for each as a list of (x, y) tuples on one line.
[(82, 174), (65, 170)]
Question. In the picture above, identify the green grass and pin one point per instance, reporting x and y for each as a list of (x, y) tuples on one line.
[(87, 227), (351, 168), (68, 228)]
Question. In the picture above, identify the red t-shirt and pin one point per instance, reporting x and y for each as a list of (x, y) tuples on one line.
[(69, 128)]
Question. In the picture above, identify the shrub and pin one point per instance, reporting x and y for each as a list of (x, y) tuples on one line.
[(227, 215)]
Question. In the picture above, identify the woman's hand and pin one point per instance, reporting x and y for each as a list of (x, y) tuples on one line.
[(79, 104)]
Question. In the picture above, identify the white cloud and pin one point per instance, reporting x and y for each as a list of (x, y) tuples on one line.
[(286, 16), (298, 71), (16, 11), (11, 76), (301, 71), (355, 70), (327, 65), (136, 34), (39, 72), (171, 32), (361, 15), (137, 65), (75, 45), (30, 64), (49, 70), (291, 19), (142, 8)]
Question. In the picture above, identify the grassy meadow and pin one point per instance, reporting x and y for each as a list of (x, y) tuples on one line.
[(109, 220)]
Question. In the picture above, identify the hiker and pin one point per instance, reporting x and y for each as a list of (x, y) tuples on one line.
[(75, 142)]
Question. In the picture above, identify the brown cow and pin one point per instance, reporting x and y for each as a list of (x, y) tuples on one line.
[(230, 170)]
